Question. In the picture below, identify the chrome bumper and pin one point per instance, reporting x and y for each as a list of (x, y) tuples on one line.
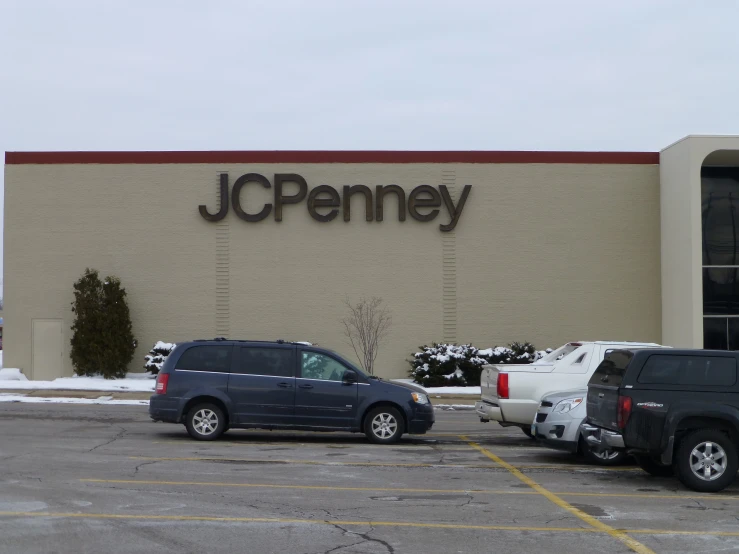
[(602, 439), (481, 412)]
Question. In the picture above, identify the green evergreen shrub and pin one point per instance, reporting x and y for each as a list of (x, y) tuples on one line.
[(102, 332)]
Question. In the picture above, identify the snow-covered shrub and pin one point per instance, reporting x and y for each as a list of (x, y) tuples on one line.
[(157, 356), (446, 365)]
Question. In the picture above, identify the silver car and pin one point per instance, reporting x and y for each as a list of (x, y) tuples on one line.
[(557, 425)]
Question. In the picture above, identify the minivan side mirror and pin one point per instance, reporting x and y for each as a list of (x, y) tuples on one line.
[(349, 378)]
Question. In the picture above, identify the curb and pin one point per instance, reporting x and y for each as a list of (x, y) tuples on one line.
[(90, 394)]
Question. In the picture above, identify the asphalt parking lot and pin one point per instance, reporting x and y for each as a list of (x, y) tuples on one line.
[(105, 479)]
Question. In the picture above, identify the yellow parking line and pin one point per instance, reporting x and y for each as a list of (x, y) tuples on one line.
[(571, 467), (305, 521), (618, 534), (562, 467), (690, 533), (304, 462), (308, 487), (225, 519), (705, 497)]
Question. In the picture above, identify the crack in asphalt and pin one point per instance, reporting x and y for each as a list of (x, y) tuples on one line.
[(142, 464), (364, 536), (115, 438)]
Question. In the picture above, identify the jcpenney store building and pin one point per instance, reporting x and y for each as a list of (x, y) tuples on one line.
[(481, 247)]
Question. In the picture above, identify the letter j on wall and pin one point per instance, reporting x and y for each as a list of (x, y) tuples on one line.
[(424, 203)]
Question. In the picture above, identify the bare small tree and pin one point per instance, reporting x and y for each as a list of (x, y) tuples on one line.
[(367, 324)]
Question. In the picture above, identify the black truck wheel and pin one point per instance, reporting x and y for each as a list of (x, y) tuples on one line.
[(653, 467), (706, 460), (602, 457)]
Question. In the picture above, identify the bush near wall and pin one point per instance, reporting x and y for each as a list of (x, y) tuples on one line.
[(449, 365), (156, 357)]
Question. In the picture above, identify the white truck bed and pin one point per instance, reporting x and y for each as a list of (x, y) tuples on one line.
[(567, 368)]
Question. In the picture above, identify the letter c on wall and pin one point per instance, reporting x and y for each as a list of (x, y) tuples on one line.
[(236, 197)]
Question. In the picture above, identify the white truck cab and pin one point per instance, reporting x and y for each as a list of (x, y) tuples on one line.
[(510, 394)]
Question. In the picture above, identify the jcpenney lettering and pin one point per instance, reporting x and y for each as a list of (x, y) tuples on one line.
[(423, 203)]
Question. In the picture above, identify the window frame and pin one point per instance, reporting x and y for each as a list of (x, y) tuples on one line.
[(708, 174)]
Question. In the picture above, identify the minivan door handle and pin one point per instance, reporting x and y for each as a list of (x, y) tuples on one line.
[(283, 385), (306, 386)]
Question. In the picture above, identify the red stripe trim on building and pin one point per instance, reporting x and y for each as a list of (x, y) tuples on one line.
[(329, 156)]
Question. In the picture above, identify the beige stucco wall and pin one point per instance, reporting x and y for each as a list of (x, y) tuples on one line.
[(681, 236), (543, 252)]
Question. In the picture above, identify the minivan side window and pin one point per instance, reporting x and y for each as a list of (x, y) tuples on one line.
[(272, 362), (711, 371), (319, 366), (206, 358)]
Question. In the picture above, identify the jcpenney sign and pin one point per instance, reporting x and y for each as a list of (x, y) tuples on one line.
[(423, 203)]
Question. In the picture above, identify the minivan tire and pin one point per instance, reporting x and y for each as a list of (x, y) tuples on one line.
[(383, 425), (205, 422), (653, 467), (527, 431), (692, 450)]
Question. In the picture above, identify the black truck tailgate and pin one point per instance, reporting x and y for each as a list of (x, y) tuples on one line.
[(603, 389)]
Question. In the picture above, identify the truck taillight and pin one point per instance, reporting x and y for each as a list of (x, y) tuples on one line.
[(502, 385), (162, 381), (624, 411)]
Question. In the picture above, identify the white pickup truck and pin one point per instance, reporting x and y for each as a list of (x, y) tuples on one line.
[(510, 394)]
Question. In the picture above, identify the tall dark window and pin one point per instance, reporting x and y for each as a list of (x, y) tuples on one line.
[(720, 235)]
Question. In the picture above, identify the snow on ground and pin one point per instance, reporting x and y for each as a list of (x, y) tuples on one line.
[(106, 400), (461, 391), (12, 374), (13, 379), (135, 382)]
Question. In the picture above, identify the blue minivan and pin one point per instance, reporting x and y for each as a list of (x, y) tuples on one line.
[(214, 385)]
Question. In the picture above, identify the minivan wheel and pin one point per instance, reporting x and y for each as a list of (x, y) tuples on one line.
[(205, 422), (383, 425), (706, 460), (653, 467)]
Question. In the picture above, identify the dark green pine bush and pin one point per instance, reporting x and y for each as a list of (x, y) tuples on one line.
[(102, 332)]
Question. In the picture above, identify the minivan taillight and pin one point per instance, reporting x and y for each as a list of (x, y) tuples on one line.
[(624, 411), (503, 385), (162, 381)]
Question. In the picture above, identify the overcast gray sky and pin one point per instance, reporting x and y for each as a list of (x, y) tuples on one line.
[(320, 74)]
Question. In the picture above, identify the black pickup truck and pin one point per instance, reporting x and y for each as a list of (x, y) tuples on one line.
[(676, 411)]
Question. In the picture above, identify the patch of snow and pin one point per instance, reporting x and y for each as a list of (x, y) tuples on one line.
[(135, 384), (453, 407), (106, 400), (144, 375), (12, 374), (304, 342), (165, 345), (1, 359), (461, 391)]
